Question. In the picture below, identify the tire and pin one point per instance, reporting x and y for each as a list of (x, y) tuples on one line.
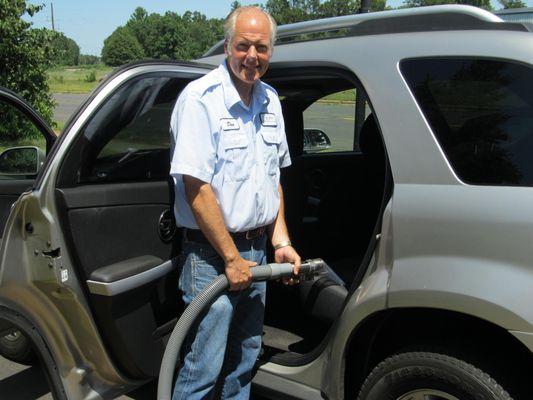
[(424, 375), (16, 347)]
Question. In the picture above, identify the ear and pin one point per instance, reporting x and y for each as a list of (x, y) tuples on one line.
[(226, 50)]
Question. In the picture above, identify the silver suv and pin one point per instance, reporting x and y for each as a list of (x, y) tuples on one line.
[(411, 134)]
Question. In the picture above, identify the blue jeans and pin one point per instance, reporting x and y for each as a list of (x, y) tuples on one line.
[(223, 347)]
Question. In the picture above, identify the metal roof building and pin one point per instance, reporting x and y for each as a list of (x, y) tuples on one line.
[(516, 14)]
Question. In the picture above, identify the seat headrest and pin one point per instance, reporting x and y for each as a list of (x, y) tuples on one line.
[(370, 141)]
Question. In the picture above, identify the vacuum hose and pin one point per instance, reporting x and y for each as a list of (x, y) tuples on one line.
[(203, 299)]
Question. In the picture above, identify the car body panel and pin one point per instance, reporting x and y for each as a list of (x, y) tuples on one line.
[(478, 234)]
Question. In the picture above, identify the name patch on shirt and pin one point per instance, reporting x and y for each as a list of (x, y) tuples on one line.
[(229, 124), (268, 119)]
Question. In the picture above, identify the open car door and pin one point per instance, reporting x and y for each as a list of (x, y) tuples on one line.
[(115, 202), (24, 142)]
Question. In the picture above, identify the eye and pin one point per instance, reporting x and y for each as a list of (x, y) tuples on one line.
[(261, 48), (242, 47)]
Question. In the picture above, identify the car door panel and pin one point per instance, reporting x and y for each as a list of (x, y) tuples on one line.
[(120, 221), (130, 270), (116, 204)]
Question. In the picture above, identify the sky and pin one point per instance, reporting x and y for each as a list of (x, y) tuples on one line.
[(90, 22)]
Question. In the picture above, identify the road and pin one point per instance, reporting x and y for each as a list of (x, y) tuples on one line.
[(67, 104), (20, 382)]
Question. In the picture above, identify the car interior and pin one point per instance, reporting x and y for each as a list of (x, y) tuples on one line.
[(115, 200)]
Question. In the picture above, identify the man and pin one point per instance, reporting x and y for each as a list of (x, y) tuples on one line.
[(229, 144)]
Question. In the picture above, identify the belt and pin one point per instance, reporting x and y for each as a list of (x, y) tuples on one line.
[(196, 235)]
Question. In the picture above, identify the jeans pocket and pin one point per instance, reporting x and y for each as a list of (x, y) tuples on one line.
[(206, 266)]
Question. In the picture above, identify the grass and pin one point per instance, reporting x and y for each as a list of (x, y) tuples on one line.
[(59, 126), (346, 96), (76, 79)]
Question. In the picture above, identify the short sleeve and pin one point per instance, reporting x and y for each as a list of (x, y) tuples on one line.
[(283, 152), (194, 151)]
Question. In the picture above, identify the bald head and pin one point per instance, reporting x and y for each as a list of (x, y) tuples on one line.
[(253, 16)]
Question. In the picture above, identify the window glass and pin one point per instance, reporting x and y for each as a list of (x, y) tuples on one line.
[(22, 144), (129, 136), (329, 123), (481, 112)]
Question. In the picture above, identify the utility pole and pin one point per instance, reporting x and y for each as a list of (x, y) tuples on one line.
[(52, 9), (365, 7)]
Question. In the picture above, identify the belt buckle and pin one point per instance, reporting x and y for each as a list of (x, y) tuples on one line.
[(254, 233)]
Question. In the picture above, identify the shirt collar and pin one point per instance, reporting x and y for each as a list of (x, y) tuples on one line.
[(232, 97)]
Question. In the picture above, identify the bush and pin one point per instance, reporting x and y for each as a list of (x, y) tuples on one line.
[(26, 56), (90, 77)]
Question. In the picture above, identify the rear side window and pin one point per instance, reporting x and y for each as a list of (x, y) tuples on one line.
[(481, 112)]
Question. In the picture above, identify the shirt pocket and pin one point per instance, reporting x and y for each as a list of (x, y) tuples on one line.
[(236, 156), (271, 142)]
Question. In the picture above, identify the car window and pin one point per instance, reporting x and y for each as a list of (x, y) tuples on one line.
[(481, 112), (329, 123), (129, 135), (332, 123), (22, 144)]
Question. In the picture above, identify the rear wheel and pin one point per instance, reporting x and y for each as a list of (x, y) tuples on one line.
[(429, 376), (16, 347)]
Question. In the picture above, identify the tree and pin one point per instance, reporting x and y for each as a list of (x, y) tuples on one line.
[(379, 5), (66, 49), (172, 36), (290, 11), (26, 56), (512, 4), (485, 4), (121, 47), (287, 12), (334, 8), (88, 59)]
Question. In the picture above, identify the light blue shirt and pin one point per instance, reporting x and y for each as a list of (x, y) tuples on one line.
[(238, 150)]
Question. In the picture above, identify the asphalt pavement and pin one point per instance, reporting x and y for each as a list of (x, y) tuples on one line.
[(22, 382), (66, 104)]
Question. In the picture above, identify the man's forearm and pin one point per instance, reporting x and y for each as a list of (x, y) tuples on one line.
[(208, 216), (278, 229)]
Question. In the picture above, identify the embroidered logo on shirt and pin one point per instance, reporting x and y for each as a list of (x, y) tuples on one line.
[(229, 124), (268, 119)]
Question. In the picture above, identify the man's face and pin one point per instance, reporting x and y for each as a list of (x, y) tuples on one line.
[(250, 49)]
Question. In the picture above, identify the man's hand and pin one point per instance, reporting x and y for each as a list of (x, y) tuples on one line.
[(288, 254), (238, 273)]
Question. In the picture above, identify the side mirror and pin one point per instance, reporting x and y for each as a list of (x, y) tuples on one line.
[(24, 160), (315, 140)]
